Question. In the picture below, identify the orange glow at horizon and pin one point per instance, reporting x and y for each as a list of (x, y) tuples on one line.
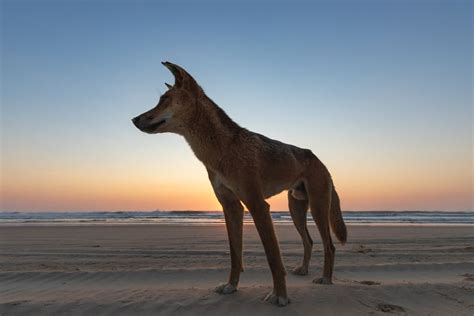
[(106, 190)]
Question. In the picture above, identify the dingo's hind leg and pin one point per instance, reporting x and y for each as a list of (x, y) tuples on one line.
[(298, 211), (319, 188)]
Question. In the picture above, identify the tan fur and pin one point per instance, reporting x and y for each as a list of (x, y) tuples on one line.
[(246, 167)]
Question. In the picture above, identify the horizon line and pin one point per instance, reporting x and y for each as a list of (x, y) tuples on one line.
[(209, 211)]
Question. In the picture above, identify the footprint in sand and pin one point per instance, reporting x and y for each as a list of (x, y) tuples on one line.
[(368, 282), (468, 277), (16, 303), (363, 249), (390, 308)]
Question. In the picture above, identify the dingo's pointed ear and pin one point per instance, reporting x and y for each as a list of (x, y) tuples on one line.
[(178, 77), (181, 77), (168, 85)]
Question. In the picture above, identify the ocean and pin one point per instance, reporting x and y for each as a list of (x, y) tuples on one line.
[(201, 217)]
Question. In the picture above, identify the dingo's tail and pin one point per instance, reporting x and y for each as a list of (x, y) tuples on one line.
[(335, 218)]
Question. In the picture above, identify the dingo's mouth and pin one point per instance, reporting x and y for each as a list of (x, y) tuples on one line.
[(153, 127)]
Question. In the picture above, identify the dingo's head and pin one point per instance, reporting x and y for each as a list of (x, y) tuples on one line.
[(174, 111)]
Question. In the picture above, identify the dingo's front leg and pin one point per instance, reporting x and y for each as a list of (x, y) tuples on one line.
[(233, 213), (260, 211)]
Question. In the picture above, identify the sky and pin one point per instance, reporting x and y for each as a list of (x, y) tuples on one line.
[(380, 91)]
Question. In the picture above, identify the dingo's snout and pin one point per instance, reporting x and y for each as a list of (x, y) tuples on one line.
[(135, 121), (147, 123)]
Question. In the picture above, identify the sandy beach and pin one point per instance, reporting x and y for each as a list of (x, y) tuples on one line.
[(172, 269)]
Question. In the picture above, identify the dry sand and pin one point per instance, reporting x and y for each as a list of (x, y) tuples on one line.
[(172, 269)]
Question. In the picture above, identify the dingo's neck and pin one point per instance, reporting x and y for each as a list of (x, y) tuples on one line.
[(211, 132)]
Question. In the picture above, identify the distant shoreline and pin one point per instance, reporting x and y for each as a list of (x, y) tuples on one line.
[(213, 211), (131, 224), (372, 218)]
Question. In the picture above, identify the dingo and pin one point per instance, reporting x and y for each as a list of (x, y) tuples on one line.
[(248, 167)]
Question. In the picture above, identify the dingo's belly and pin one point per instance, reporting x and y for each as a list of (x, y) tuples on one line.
[(271, 189)]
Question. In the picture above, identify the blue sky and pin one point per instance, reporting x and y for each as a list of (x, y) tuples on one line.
[(380, 91)]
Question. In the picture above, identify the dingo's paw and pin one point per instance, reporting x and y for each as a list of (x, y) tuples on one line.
[(322, 280), (226, 288), (300, 270), (276, 300)]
